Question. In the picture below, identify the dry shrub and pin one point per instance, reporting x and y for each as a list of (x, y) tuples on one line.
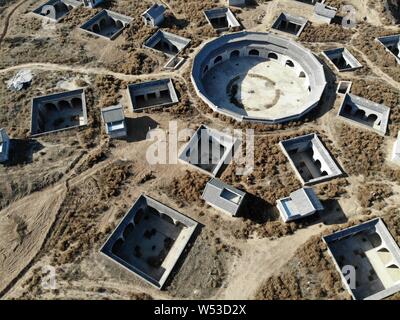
[(310, 274), (331, 189), (97, 155), (109, 89), (84, 205), (373, 195), (78, 16), (192, 11), (325, 33), (184, 106), (143, 177), (188, 189), (334, 3), (138, 62), (361, 151)]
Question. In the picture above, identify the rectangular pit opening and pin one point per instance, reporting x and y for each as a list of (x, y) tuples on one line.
[(290, 24), (310, 159), (367, 247), (58, 112), (208, 150), (344, 87), (149, 240), (342, 59), (364, 112), (392, 45), (167, 43), (106, 24), (152, 94)]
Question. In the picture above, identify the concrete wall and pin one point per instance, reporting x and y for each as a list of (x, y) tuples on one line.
[(265, 43)]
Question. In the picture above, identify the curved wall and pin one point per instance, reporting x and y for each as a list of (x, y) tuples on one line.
[(266, 45)]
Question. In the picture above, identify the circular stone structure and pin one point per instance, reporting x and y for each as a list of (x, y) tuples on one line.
[(258, 77)]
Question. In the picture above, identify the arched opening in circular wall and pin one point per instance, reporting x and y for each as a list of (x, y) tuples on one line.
[(254, 52), (235, 53), (273, 56), (290, 63), (217, 59), (302, 74)]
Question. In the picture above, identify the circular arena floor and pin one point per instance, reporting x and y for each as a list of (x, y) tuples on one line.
[(260, 77), (257, 87)]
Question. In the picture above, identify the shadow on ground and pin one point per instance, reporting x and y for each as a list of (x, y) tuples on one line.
[(139, 127), (21, 151)]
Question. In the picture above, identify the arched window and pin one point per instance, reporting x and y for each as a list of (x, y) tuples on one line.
[(117, 246), (128, 230), (302, 74), (63, 104), (372, 118), (254, 52), (359, 114), (290, 63), (217, 59), (50, 107), (138, 216), (103, 24), (76, 103), (95, 28), (235, 53), (273, 55), (119, 24)]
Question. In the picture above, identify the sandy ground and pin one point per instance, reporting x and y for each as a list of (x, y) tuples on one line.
[(25, 224), (217, 264)]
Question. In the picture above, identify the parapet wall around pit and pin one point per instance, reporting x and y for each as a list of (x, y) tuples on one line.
[(265, 45)]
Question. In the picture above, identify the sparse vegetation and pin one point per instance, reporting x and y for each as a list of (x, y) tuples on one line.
[(91, 181)]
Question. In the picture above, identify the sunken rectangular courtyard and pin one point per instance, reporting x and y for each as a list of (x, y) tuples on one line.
[(310, 159), (370, 249), (58, 111), (149, 240), (209, 150)]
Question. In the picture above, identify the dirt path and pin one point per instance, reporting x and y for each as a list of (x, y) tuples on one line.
[(7, 21), (377, 70), (24, 227), (260, 261), (83, 70)]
